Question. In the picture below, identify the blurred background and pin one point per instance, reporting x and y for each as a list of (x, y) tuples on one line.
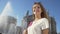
[(17, 11)]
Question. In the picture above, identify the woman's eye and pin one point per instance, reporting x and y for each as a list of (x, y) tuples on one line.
[(38, 7)]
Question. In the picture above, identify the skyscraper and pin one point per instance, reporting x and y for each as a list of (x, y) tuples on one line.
[(53, 26)]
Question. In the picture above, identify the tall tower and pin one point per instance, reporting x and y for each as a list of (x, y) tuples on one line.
[(53, 25), (25, 21)]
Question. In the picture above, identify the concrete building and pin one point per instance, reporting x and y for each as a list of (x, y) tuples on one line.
[(18, 30), (7, 24), (52, 26)]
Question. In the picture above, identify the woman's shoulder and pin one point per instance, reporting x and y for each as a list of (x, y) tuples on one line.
[(44, 19)]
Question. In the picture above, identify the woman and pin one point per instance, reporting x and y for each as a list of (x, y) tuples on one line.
[(40, 25)]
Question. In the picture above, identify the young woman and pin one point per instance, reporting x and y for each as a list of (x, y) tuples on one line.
[(40, 25)]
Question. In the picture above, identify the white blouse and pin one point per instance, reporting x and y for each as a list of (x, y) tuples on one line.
[(38, 25)]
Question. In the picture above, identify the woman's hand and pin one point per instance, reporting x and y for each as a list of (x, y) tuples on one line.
[(25, 32)]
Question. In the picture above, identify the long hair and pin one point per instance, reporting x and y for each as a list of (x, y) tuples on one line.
[(44, 13)]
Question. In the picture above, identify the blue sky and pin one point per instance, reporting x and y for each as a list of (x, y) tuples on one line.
[(20, 8)]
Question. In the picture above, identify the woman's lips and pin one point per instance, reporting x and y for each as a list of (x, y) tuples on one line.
[(36, 10)]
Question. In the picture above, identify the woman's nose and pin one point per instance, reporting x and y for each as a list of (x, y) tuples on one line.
[(37, 9)]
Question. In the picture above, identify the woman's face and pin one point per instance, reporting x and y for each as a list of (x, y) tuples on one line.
[(36, 9)]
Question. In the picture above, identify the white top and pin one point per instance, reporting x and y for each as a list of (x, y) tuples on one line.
[(38, 25)]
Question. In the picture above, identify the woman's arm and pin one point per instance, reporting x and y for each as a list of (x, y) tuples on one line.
[(45, 31), (45, 27), (25, 32)]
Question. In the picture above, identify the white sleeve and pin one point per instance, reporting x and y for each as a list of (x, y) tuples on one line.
[(45, 24)]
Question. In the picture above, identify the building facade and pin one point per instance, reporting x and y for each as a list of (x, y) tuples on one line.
[(7, 24), (18, 30), (53, 25)]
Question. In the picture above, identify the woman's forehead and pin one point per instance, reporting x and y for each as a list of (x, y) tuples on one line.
[(36, 5)]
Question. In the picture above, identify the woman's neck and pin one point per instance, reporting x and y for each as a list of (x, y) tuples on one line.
[(37, 17)]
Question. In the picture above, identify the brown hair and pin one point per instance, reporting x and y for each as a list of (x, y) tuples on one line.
[(44, 13)]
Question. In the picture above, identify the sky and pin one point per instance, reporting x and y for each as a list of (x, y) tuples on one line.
[(20, 7)]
